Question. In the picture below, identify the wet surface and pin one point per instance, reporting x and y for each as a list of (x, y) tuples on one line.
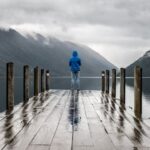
[(73, 120), (74, 117)]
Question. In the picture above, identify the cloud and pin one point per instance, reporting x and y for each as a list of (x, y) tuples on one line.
[(110, 27)]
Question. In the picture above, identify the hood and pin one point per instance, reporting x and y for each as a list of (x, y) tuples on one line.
[(75, 54)]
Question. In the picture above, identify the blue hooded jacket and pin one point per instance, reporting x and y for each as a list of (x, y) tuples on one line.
[(75, 62)]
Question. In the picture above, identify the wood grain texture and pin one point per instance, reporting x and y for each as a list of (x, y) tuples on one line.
[(65, 120)]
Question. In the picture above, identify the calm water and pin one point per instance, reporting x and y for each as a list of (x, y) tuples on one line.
[(130, 95), (86, 84)]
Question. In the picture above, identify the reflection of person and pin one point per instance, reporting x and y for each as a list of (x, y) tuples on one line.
[(75, 64)]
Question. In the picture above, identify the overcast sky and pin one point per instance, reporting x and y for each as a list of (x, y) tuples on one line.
[(117, 29)]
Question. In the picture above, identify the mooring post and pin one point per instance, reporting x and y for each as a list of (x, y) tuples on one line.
[(107, 82), (26, 83), (36, 81), (47, 79), (138, 91), (42, 80), (10, 87), (122, 86), (103, 81), (113, 92)]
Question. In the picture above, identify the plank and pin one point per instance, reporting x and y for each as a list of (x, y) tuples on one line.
[(62, 138), (126, 133), (49, 127), (24, 138), (81, 121), (13, 126), (82, 137), (100, 138)]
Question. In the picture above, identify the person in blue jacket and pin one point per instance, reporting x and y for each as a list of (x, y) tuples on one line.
[(75, 64)]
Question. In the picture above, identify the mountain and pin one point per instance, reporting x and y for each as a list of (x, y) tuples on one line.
[(143, 62), (47, 52)]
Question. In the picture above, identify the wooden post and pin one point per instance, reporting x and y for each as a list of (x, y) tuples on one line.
[(103, 81), (36, 81), (113, 92), (10, 87), (107, 82), (47, 80), (26, 83), (138, 91), (122, 86), (42, 80)]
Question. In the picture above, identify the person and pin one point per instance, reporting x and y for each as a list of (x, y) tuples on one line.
[(75, 64)]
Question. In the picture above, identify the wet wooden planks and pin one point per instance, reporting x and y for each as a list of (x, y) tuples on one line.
[(65, 120), (125, 131), (100, 138), (23, 139)]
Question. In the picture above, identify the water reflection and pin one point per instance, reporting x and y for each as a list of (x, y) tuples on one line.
[(121, 117), (34, 108), (106, 103), (102, 98), (47, 95), (42, 99), (137, 137), (105, 100), (8, 128), (113, 107), (138, 131), (25, 118), (74, 109)]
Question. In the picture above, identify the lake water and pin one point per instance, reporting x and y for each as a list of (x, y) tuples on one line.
[(87, 83), (130, 95)]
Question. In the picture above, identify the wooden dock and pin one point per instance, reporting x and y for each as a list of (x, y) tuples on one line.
[(66, 120)]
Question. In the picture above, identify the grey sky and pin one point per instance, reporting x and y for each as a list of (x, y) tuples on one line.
[(117, 29)]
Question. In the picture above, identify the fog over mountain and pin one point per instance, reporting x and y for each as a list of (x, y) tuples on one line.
[(143, 62), (49, 53)]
